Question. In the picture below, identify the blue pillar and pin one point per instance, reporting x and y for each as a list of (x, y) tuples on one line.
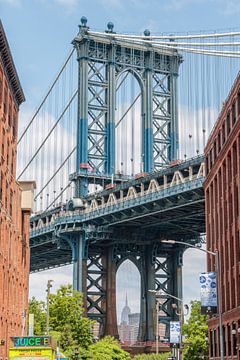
[(79, 264), (110, 146), (82, 124), (148, 116), (174, 135)]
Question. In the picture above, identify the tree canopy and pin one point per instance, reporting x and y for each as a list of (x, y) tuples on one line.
[(71, 329), (38, 308), (196, 331)]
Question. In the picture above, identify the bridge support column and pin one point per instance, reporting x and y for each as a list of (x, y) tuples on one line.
[(82, 124), (148, 116), (177, 270), (79, 266), (148, 308), (109, 284)]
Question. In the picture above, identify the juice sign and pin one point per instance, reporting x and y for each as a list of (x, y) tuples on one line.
[(31, 341)]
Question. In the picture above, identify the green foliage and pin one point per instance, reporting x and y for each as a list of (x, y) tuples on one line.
[(38, 309), (163, 356), (71, 329), (196, 330), (108, 349), (66, 317)]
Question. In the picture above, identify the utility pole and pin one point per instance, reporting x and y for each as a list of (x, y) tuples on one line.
[(49, 285)]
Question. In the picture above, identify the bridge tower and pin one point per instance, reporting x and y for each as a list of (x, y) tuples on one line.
[(102, 59)]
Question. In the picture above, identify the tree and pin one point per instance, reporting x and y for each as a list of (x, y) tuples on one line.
[(196, 331), (108, 349), (66, 317), (38, 308), (163, 356)]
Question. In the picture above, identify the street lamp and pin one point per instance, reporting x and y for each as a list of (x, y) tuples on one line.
[(175, 307), (157, 313), (49, 285), (219, 304)]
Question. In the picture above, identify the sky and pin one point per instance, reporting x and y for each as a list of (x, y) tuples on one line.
[(40, 34)]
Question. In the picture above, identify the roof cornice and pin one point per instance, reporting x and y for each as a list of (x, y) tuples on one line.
[(9, 67)]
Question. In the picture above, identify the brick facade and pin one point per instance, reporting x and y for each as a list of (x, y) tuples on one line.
[(14, 221), (222, 192)]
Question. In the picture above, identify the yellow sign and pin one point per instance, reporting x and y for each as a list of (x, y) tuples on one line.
[(31, 354)]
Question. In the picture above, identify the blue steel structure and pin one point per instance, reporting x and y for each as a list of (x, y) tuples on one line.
[(97, 232)]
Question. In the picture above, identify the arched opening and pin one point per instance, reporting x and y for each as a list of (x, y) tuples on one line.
[(129, 124), (128, 302)]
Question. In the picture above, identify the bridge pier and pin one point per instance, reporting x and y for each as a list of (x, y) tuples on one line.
[(147, 305), (79, 265), (109, 284)]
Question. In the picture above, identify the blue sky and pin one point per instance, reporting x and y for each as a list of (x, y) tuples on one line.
[(40, 34)]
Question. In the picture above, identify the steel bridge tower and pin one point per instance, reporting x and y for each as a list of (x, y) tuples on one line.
[(98, 251)]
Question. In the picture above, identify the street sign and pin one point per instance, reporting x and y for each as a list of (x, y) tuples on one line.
[(208, 292), (175, 332)]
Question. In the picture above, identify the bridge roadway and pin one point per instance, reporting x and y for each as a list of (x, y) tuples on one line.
[(162, 205)]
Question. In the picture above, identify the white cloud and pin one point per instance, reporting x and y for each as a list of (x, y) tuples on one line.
[(38, 281)]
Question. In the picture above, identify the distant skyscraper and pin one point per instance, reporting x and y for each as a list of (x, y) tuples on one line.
[(128, 328), (125, 312)]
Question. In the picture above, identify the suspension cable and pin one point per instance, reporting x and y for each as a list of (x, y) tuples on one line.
[(59, 195), (48, 135), (58, 169), (46, 96), (154, 37)]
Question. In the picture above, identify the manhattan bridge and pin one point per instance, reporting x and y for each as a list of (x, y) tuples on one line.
[(116, 150)]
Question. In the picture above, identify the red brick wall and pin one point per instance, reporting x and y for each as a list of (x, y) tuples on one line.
[(222, 193), (14, 236)]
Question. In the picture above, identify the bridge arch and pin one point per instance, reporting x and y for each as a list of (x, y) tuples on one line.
[(128, 300), (129, 122)]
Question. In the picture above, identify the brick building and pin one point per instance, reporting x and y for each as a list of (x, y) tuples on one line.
[(222, 192), (15, 207)]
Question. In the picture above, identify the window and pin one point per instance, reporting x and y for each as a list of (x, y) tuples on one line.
[(9, 115), (223, 134), (3, 141), (12, 163), (6, 202), (234, 113), (215, 151), (8, 148), (10, 204), (14, 126), (5, 101), (228, 123), (1, 90), (219, 142), (238, 100), (1, 185)]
